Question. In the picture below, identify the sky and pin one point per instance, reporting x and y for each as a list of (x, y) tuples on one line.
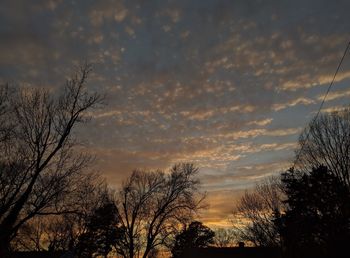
[(227, 85)]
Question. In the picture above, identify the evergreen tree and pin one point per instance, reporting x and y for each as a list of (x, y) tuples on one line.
[(317, 220), (102, 232), (195, 236)]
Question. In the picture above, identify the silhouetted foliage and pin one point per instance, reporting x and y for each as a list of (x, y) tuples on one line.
[(40, 169), (102, 232), (151, 206), (317, 219), (255, 213), (196, 235)]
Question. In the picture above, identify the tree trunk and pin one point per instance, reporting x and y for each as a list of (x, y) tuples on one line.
[(4, 242), (145, 254), (131, 248)]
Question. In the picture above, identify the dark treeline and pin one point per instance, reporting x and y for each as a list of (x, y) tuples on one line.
[(51, 201), (306, 210)]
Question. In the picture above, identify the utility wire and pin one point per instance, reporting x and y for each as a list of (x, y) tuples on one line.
[(322, 103)]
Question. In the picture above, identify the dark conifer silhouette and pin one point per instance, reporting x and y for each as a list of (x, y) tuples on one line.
[(102, 232), (317, 219), (196, 235)]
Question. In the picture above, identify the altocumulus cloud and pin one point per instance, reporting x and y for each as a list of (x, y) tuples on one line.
[(225, 84)]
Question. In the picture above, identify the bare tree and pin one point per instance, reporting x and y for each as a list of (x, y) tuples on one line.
[(326, 141), (224, 237), (62, 232), (40, 168), (152, 205), (254, 215), (5, 126), (31, 236)]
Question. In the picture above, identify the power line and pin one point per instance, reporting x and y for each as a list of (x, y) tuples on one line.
[(322, 103)]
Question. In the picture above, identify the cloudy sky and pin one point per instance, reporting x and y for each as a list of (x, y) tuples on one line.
[(227, 85)]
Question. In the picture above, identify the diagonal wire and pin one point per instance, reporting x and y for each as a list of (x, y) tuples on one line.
[(322, 103)]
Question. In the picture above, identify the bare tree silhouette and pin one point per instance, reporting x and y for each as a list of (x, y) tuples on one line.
[(256, 211), (224, 237), (326, 141), (151, 206), (40, 168), (63, 232)]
